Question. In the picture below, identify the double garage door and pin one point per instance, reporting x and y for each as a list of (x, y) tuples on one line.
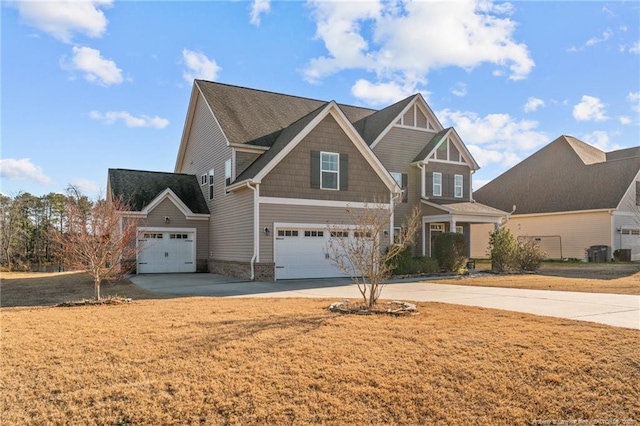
[(304, 253), (166, 251)]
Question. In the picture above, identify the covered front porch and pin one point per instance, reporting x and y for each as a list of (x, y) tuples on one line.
[(455, 217)]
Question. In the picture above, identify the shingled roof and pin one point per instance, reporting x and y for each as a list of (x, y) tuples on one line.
[(565, 175), (257, 117), (139, 188)]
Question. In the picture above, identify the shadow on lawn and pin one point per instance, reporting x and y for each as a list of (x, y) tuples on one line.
[(48, 289)]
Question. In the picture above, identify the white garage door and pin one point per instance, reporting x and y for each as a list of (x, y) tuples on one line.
[(163, 252), (302, 253)]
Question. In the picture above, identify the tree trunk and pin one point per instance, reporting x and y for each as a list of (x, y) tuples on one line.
[(96, 287)]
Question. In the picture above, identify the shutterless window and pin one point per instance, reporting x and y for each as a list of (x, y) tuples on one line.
[(329, 170), (458, 186), (211, 184), (204, 179), (227, 172), (437, 184)]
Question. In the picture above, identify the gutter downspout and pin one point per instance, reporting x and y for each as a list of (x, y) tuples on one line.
[(506, 218), (256, 231)]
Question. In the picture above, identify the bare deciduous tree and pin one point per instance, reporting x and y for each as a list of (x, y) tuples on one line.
[(359, 250), (97, 239)]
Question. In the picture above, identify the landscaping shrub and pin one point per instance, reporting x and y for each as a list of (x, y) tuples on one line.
[(406, 264), (529, 256), (451, 251), (508, 255), (502, 250)]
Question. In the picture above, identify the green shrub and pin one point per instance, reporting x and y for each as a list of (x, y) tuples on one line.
[(402, 264), (502, 250), (406, 264), (529, 256), (451, 251), (424, 265)]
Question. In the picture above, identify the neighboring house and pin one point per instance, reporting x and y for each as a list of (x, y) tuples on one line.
[(569, 196), (277, 170)]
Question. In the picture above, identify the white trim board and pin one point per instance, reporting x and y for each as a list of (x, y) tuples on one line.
[(319, 203), (168, 194)]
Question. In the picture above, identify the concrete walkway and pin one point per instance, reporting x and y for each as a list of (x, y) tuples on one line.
[(611, 309)]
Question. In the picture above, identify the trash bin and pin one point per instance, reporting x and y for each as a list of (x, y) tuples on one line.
[(471, 265), (598, 254)]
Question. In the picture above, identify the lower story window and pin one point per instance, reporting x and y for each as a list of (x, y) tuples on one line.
[(314, 233)]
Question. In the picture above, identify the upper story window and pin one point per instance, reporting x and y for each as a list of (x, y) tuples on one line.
[(227, 172), (458, 186), (401, 180), (329, 170), (211, 184), (204, 179), (437, 184)]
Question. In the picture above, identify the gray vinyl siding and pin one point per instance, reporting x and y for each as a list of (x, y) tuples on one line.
[(421, 119), (244, 160), (231, 223), (409, 118), (396, 151), (291, 178), (166, 208), (272, 213)]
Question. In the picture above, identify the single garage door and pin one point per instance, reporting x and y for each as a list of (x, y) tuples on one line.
[(303, 253), (164, 252)]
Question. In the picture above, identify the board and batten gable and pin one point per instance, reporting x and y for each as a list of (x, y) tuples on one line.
[(291, 177), (231, 221)]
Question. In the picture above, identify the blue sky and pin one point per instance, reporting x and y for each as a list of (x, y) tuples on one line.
[(89, 85)]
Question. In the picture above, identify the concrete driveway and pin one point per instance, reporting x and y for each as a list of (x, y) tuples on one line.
[(611, 309)]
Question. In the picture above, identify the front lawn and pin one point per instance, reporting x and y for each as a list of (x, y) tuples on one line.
[(290, 361)]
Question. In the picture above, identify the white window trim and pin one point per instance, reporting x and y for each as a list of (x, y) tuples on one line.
[(433, 189), (337, 172), (204, 179), (456, 186), (210, 182)]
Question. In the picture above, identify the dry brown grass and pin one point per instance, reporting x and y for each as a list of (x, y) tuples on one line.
[(616, 278), (51, 288), (289, 361)]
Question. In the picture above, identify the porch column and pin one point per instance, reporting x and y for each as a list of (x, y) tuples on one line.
[(452, 224)]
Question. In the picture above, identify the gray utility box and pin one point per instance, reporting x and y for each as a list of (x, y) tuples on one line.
[(599, 253)]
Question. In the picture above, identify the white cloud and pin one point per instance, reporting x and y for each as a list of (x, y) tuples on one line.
[(381, 93), (601, 140), (589, 109), (625, 120), (459, 89), (22, 169), (533, 104), (479, 183), (403, 42), (63, 18), (129, 120), (199, 66), (86, 186), (635, 48), (495, 138), (259, 7), (95, 68), (606, 35), (496, 131), (634, 98)]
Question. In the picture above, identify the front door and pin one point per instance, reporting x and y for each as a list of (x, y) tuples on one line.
[(434, 230)]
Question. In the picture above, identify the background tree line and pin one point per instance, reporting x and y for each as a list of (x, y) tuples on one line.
[(28, 225)]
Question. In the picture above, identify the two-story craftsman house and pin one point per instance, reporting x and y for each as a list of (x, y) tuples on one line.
[(276, 170)]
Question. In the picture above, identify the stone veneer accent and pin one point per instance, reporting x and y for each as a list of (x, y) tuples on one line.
[(242, 270)]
